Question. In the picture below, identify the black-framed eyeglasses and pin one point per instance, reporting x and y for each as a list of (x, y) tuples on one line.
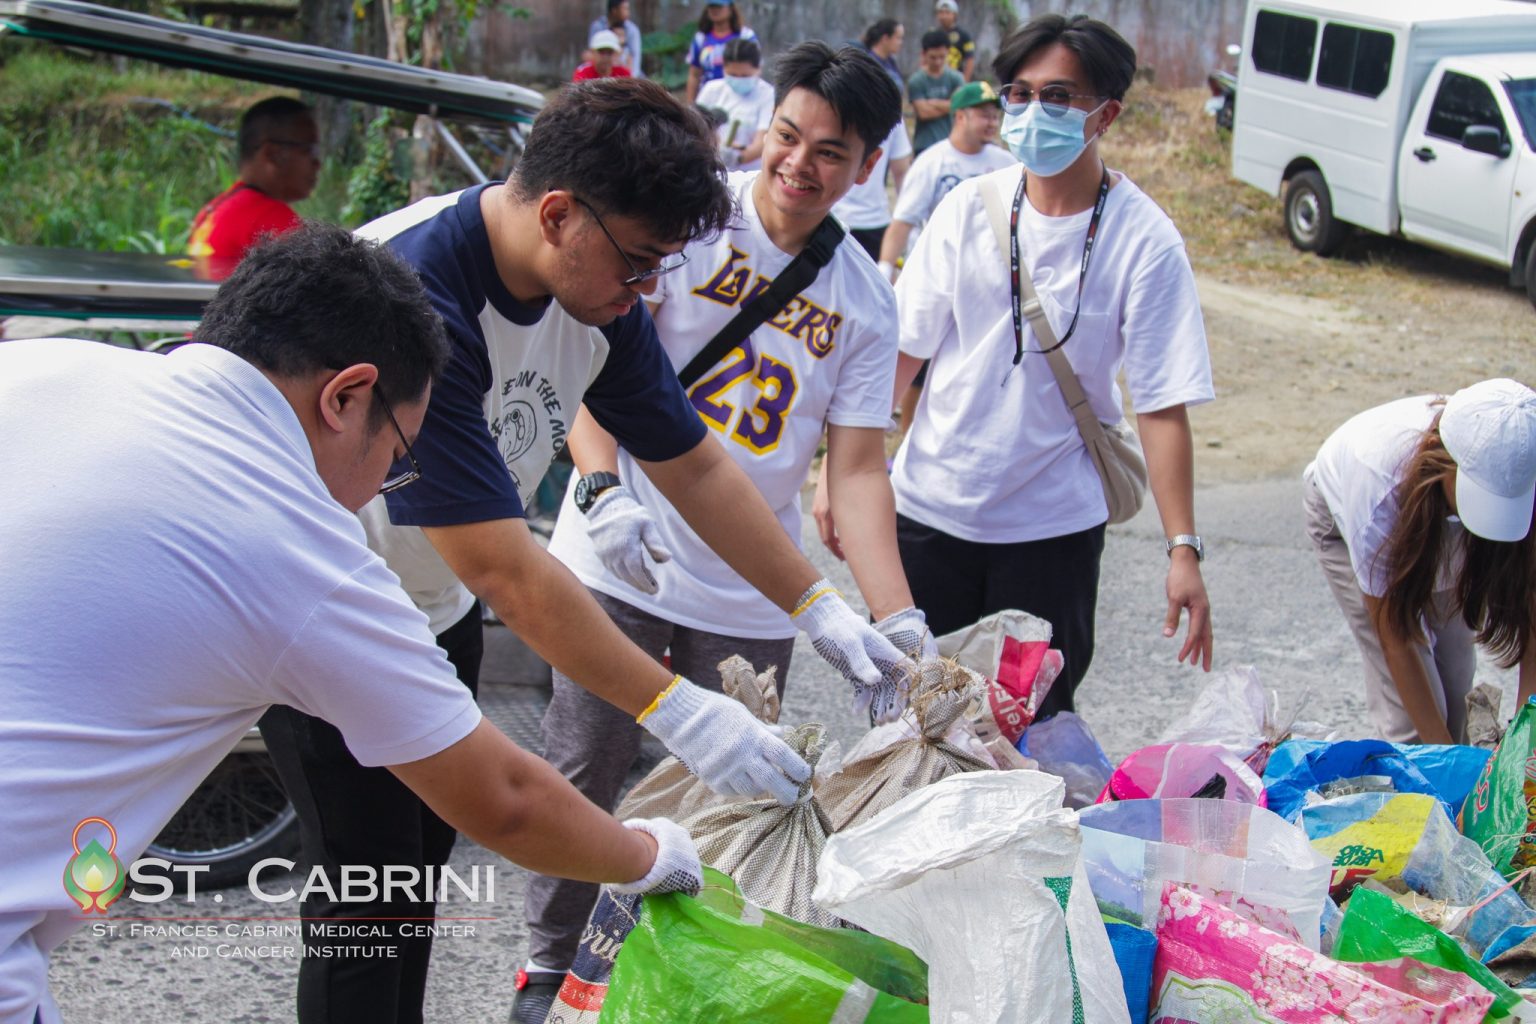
[(1055, 100), (411, 475), (638, 276)]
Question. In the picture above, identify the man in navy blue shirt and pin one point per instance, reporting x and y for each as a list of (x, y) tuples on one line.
[(539, 282)]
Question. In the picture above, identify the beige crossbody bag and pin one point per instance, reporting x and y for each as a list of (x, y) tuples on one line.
[(1113, 447)]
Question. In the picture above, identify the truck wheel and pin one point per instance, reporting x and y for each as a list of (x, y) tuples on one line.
[(1530, 274), (1309, 216)]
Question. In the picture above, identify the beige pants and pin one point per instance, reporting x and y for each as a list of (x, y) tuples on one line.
[(1450, 657)]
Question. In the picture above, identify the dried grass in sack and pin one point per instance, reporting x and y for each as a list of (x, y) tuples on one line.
[(768, 849), (931, 740), (671, 790)]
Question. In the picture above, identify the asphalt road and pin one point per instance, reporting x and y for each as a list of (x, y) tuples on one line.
[(1270, 609)]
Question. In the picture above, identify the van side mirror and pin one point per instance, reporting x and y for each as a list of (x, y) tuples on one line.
[(1481, 138)]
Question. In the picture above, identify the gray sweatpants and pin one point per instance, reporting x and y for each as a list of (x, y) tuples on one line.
[(1450, 657), (594, 745)]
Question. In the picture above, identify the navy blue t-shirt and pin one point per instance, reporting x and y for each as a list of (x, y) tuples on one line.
[(517, 375)]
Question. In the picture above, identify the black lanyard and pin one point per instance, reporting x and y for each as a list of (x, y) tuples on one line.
[(1082, 276)]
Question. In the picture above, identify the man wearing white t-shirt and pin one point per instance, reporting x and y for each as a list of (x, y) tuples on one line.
[(827, 358), (866, 209), (970, 149), (181, 553), (999, 503)]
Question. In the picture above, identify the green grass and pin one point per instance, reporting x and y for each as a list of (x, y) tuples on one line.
[(90, 165)]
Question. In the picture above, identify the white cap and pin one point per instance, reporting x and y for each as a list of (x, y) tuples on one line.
[(1490, 430), (947, 5), (603, 39)]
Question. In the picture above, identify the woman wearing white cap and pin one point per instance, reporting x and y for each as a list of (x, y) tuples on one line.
[(1420, 511)]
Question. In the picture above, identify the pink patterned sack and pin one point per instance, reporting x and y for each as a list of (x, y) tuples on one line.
[(1214, 966)]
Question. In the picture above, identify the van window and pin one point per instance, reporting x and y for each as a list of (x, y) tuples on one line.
[(1460, 102), (1522, 96), (1354, 59), (1283, 44)]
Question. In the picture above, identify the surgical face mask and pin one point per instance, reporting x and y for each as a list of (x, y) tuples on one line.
[(742, 85), (1046, 144)]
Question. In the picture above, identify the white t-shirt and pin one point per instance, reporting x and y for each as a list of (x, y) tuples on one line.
[(936, 171), (173, 565), (830, 357), (1357, 471), (993, 455), (745, 115), (867, 206)]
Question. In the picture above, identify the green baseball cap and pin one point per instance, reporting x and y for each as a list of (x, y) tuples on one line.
[(974, 94)]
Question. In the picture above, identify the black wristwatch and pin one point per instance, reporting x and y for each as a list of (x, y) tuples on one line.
[(591, 485)]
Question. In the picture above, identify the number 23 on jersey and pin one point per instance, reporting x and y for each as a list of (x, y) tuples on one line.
[(759, 425)]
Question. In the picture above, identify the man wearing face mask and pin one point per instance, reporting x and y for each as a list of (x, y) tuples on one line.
[(747, 103), (1015, 517)]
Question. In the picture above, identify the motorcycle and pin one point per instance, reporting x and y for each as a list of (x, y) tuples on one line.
[(1223, 85)]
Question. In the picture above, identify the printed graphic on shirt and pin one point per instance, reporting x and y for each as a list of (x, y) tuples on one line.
[(800, 318), (515, 426)]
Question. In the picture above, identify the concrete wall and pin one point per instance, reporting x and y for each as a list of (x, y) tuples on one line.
[(1180, 40)]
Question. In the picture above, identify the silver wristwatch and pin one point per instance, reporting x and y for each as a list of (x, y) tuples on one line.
[(1187, 540)]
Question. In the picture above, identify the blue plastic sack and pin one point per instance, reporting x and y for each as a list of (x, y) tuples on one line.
[(1135, 950), (1064, 746), (1300, 767), (1512, 955)]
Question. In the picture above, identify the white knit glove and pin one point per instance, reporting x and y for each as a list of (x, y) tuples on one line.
[(866, 659), (724, 744), (624, 534), (676, 868), (908, 631)]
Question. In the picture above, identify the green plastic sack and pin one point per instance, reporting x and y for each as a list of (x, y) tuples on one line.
[(1377, 927), (1500, 812), (717, 957)]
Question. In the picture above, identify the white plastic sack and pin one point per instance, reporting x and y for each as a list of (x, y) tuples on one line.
[(1234, 711), (981, 875)]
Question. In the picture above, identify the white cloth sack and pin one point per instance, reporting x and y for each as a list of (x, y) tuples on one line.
[(981, 875)]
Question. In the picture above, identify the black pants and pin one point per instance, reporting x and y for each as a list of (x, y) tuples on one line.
[(352, 815), (870, 239), (956, 582)]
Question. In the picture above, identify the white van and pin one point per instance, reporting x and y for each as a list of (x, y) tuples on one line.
[(1403, 117)]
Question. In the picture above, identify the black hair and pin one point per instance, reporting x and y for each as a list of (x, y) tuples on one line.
[(258, 123), (1107, 59), (745, 50), (612, 4), (318, 298), (628, 147), (935, 38), (707, 26), (852, 82), (879, 30)]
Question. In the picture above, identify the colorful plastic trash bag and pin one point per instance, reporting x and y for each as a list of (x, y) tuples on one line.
[(1512, 956), (1135, 953), (1064, 746), (1376, 927), (1301, 772), (1012, 651), (1237, 855), (717, 957), (1406, 843), (931, 739), (1234, 712), (981, 875), (1500, 815), (1212, 965), (1184, 770)]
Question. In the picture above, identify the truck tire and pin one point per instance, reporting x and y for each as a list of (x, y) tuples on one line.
[(1530, 274), (1309, 216)]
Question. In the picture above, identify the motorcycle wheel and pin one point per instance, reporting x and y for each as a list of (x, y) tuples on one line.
[(238, 816), (1309, 216)]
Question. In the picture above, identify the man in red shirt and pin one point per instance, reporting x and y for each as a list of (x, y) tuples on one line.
[(605, 51), (279, 162)]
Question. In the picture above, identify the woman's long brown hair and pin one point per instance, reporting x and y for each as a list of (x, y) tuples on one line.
[(1494, 588)]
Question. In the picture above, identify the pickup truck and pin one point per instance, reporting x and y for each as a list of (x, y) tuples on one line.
[(1415, 119)]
